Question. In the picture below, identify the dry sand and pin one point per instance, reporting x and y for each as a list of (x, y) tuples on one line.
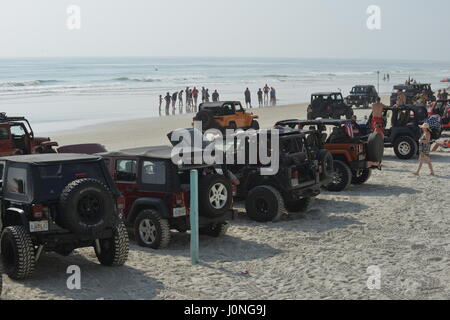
[(396, 222)]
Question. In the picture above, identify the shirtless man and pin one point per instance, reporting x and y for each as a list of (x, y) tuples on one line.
[(401, 98), (377, 116)]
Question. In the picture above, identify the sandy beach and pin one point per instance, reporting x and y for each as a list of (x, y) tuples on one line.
[(395, 224)]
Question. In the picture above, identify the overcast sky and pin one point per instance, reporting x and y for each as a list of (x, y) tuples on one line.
[(411, 29)]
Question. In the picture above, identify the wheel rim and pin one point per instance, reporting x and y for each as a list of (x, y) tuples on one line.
[(218, 196), (262, 206), (337, 176), (147, 231), (404, 148), (89, 208)]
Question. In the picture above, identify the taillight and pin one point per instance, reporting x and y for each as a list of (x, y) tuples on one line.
[(234, 190), (80, 175), (121, 204), (294, 178), (179, 199), (38, 211)]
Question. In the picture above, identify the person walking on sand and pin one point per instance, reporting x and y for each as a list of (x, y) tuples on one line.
[(160, 103), (377, 116), (168, 98), (215, 96), (260, 97), (248, 98), (266, 95), (425, 149), (207, 95)]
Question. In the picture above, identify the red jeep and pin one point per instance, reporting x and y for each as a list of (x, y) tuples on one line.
[(17, 137), (157, 195)]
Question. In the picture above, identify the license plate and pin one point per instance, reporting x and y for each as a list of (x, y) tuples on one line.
[(179, 212), (38, 226)]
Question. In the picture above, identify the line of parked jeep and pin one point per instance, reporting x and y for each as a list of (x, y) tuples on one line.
[(85, 196)]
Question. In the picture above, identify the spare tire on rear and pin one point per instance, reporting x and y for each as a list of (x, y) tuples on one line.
[(87, 206), (206, 118), (215, 196), (375, 147)]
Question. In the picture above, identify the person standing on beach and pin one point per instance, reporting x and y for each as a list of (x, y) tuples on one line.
[(266, 95), (388, 77), (180, 101), (207, 95), (203, 94), (168, 98), (425, 149), (187, 98), (248, 98), (273, 96), (401, 98), (260, 97), (444, 95), (377, 116), (195, 96), (174, 101), (160, 103), (215, 96)]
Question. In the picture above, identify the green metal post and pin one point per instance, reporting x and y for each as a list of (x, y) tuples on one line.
[(194, 218)]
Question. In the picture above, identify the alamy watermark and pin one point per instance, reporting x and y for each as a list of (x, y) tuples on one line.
[(74, 280), (262, 148), (374, 19), (73, 17)]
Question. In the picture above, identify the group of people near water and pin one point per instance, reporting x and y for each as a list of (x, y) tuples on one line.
[(188, 100)]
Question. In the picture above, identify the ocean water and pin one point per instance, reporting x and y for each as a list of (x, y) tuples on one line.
[(27, 84)]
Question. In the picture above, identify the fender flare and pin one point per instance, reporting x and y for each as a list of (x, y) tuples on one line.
[(147, 203), (21, 213)]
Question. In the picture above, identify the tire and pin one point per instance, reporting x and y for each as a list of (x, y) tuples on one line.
[(405, 147), (255, 125), (206, 118), (300, 205), (215, 196), (342, 177), (151, 231), (361, 176), (215, 230), (232, 126), (265, 204), (114, 251), (86, 207), (17, 253), (327, 162), (375, 147)]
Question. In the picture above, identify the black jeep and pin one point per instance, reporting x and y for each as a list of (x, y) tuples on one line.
[(303, 169), (58, 203), (411, 91), (401, 129), (362, 96), (328, 105)]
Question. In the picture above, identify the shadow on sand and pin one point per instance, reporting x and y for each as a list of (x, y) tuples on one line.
[(376, 190), (97, 281)]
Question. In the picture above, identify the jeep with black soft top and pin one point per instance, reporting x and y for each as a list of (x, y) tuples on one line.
[(328, 105), (303, 169), (411, 90), (17, 137), (362, 96), (157, 194), (58, 203), (401, 129), (354, 155)]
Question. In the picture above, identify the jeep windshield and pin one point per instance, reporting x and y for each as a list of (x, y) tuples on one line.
[(359, 90), (336, 97), (52, 179)]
